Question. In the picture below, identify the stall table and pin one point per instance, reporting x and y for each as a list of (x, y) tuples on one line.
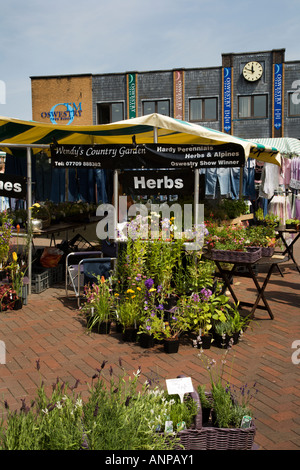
[(249, 271), (289, 247)]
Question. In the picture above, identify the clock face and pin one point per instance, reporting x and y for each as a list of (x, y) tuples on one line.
[(252, 71)]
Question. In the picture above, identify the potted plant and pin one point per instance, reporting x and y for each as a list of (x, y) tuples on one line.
[(6, 229), (206, 403), (272, 220), (127, 315), (292, 224), (98, 306), (238, 323), (7, 297), (16, 272), (230, 404), (223, 334), (264, 237), (201, 310), (150, 329), (40, 216)]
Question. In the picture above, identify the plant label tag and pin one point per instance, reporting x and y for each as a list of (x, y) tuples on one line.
[(180, 386)]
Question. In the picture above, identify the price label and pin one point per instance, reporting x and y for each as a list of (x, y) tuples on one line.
[(180, 386)]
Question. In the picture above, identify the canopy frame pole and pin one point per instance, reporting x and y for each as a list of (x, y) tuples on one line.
[(29, 224), (29, 198), (196, 197), (116, 202)]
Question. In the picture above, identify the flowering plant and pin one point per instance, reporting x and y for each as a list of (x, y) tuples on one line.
[(261, 235), (7, 297), (129, 306), (99, 302), (17, 271), (227, 237), (6, 229), (200, 310), (230, 403)]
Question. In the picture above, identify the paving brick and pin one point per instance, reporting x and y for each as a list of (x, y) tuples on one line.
[(49, 329)]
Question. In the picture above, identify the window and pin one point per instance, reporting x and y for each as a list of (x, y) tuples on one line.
[(110, 112), (294, 103), (203, 109), (254, 106), (159, 106)]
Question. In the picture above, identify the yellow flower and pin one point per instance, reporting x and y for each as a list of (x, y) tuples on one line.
[(133, 296), (130, 291), (15, 256), (152, 289), (116, 295), (138, 288)]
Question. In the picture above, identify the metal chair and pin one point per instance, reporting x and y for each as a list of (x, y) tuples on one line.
[(74, 272)]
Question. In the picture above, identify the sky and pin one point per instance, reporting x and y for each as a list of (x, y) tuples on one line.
[(62, 37)]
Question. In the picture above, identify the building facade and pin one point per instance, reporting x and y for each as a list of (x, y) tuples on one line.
[(251, 95)]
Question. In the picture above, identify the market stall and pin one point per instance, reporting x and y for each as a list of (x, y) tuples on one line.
[(195, 145)]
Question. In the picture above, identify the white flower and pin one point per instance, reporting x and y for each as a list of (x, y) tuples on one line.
[(45, 410), (58, 405), (78, 402)]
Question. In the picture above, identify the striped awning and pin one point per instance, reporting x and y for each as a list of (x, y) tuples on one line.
[(166, 130), (287, 146)]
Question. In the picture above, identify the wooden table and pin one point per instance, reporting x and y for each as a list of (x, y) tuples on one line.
[(249, 271), (289, 247)]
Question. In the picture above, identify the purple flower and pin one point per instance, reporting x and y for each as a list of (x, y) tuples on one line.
[(206, 293), (149, 283), (160, 307)]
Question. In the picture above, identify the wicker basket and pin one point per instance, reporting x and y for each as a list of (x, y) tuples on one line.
[(267, 251), (212, 438), (252, 255)]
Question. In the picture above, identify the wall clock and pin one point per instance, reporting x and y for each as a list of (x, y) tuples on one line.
[(252, 71)]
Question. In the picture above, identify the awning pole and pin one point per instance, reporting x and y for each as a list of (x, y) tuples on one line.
[(196, 196), (29, 225), (116, 201)]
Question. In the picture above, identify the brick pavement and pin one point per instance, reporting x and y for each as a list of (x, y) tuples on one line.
[(49, 328)]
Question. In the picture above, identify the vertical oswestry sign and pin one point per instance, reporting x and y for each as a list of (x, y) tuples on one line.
[(131, 95), (278, 81), (227, 80), (178, 92)]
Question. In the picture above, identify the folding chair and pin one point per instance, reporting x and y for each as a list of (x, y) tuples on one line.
[(74, 271)]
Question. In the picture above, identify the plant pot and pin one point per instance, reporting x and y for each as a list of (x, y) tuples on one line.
[(205, 342), (129, 335), (146, 341), (18, 304), (205, 415), (171, 346), (103, 328), (222, 341), (236, 337)]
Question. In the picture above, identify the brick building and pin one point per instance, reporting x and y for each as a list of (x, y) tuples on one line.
[(250, 95)]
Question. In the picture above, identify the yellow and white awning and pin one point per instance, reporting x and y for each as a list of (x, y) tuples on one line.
[(146, 129)]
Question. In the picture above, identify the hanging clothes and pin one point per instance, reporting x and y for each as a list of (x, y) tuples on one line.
[(270, 180), (280, 206)]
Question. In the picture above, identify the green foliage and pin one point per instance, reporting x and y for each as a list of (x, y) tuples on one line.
[(119, 414), (229, 403)]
